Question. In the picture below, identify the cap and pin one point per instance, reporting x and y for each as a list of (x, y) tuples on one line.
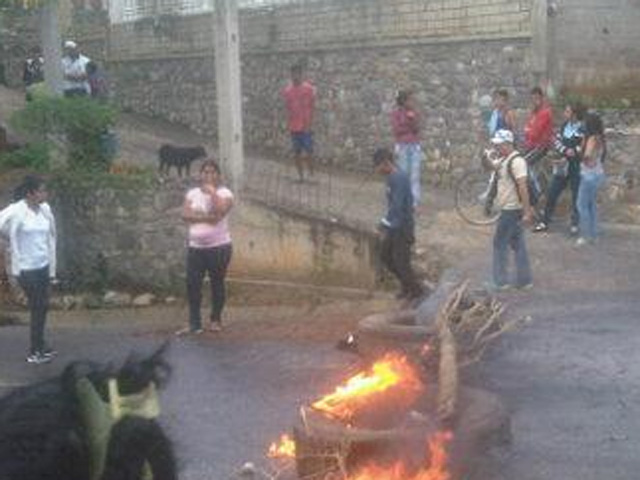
[(70, 44), (502, 136)]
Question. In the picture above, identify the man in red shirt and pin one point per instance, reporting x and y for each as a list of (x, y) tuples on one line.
[(299, 99), (538, 131)]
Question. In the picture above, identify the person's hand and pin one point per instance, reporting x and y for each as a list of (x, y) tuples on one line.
[(570, 152), (527, 217)]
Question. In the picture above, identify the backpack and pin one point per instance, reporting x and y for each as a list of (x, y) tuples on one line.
[(532, 185)]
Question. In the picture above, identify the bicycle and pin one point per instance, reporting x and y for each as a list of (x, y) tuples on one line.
[(472, 190)]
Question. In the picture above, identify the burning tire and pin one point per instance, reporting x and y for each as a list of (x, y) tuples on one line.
[(325, 447), (393, 331)]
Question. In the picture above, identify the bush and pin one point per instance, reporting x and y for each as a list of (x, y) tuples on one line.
[(34, 156), (82, 121)]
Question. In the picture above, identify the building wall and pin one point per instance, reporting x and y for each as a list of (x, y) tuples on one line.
[(595, 43)]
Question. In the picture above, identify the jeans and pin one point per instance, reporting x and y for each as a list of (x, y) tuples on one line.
[(409, 160), (558, 184), (587, 204), (509, 233), (395, 254), (214, 262), (35, 284)]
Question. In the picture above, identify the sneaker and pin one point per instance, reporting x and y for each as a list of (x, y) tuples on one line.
[(581, 242), (573, 230), (493, 287), (216, 326), (540, 227), (49, 352), (188, 331), (38, 358), (526, 286)]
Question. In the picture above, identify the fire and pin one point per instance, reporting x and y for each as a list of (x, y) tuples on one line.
[(285, 448), (392, 373), (437, 469)]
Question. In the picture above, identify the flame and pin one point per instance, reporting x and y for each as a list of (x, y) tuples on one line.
[(285, 448), (392, 372), (437, 469)]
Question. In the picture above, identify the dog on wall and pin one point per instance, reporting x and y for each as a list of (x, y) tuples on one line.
[(179, 157)]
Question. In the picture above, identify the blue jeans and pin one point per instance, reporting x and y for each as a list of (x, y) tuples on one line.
[(558, 183), (587, 204), (509, 233), (409, 160)]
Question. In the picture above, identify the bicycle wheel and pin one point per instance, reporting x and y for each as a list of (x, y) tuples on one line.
[(471, 193)]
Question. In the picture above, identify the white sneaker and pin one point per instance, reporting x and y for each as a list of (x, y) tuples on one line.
[(573, 230), (581, 241)]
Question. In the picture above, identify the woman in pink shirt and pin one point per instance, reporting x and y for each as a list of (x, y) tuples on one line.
[(209, 244), (405, 122)]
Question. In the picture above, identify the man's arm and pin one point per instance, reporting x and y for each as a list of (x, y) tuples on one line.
[(523, 193)]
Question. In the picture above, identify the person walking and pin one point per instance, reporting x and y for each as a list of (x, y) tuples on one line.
[(397, 226), (566, 170), (513, 199), (32, 241), (209, 247), (591, 178), (299, 99), (405, 123)]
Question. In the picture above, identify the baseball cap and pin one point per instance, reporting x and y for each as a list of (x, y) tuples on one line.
[(70, 44), (502, 136)]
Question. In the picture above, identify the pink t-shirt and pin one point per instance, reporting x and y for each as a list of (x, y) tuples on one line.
[(300, 102), (206, 235), (406, 125)]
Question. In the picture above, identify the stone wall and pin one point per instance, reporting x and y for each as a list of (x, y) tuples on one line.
[(130, 234), (18, 36), (356, 90)]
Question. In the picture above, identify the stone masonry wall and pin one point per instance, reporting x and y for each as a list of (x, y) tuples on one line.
[(356, 90), (124, 234), (358, 53)]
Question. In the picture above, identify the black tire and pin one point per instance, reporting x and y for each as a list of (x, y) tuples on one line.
[(392, 331), (469, 199), (135, 442)]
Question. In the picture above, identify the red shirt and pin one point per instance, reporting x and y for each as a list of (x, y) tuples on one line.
[(405, 124), (299, 101), (538, 132)]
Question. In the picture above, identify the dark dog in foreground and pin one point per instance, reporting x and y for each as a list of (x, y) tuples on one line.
[(179, 157), (92, 422)]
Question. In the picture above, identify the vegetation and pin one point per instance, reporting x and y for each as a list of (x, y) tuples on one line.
[(82, 122), (34, 156)]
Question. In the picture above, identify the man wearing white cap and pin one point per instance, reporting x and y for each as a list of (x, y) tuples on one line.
[(513, 199), (74, 71)]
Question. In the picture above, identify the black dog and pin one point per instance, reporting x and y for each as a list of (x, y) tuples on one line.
[(179, 157)]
